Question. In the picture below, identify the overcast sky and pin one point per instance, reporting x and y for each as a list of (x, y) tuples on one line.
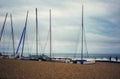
[(101, 22)]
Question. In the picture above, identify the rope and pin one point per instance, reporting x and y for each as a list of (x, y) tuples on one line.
[(77, 43), (46, 42), (85, 42)]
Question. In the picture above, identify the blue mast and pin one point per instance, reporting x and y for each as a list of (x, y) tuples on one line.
[(20, 40), (24, 34), (22, 37)]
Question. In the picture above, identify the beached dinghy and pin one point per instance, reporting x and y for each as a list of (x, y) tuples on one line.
[(83, 61)]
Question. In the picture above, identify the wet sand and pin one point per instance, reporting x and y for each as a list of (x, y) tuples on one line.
[(19, 69)]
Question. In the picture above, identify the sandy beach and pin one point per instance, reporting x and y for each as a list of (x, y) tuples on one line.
[(19, 69)]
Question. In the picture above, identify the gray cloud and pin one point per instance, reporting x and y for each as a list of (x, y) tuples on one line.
[(101, 20)]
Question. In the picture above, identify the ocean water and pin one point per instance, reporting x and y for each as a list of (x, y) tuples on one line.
[(90, 56), (69, 55), (72, 55)]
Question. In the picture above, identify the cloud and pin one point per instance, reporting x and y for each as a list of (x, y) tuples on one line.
[(101, 21)]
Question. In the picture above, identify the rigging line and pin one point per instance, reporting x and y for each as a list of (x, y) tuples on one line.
[(85, 42), (3, 27), (46, 42), (7, 42), (4, 41), (27, 43), (77, 43), (8, 48), (40, 45)]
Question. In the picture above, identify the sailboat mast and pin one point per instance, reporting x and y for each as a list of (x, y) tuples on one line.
[(12, 35), (3, 26), (36, 33), (82, 33), (24, 34), (50, 34)]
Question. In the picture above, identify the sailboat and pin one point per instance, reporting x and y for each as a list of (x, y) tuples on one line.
[(45, 57), (22, 39), (42, 56), (82, 60), (35, 57)]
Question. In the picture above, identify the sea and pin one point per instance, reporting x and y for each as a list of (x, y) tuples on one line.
[(102, 57), (70, 55)]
